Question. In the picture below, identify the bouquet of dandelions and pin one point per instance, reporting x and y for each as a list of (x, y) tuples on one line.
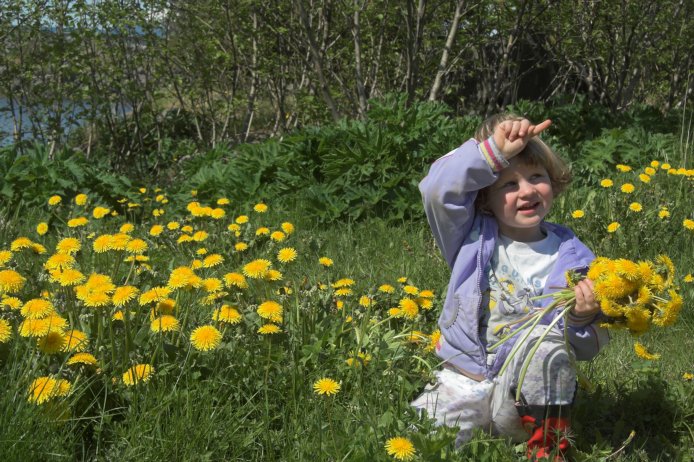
[(633, 296)]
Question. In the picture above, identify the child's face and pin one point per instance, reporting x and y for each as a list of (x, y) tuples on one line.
[(519, 199)]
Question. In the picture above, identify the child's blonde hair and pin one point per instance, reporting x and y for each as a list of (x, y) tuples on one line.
[(536, 152)]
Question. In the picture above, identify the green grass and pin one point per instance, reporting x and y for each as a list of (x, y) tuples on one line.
[(252, 398)]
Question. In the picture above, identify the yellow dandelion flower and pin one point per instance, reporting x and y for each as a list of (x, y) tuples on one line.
[(325, 261), (52, 343), (187, 229), (100, 212), (120, 241), (612, 227), (136, 247), (227, 314), (59, 261), (12, 303), (260, 208), (623, 168), (184, 238), (200, 236), (650, 171), (270, 310), (76, 341), (235, 280), (77, 222), (365, 301), (667, 313), (286, 255), (205, 338), (257, 268), (655, 164), (240, 246), (156, 230), (344, 282), (234, 228), (127, 228), (212, 285), (123, 295), (400, 448), (103, 243), (663, 213), (217, 213), (687, 223), (155, 294), (54, 200), (86, 359), (606, 183), (11, 281), (139, 373), (223, 201), (578, 213), (44, 389), (287, 227), (434, 340), (409, 308), (628, 188), (34, 328), (269, 329), (642, 352), (241, 219), (644, 178), (262, 231), (37, 308), (424, 303), (164, 323), (410, 290), (343, 292), (402, 280), (326, 386), (395, 312), (5, 257), (67, 278), (665, 166), (688, 278), (21, 243), (81, 199), (68, 245), (635, 207), (212, 260), (386, 288), (278, 236), (360, 359), (688, 376), (172, 225), (42, 228), (5, 331)]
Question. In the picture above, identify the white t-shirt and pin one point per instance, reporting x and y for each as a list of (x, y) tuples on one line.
[(517, 272)]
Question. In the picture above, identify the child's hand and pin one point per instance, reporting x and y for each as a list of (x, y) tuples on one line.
[(511, 136), (585, 299)]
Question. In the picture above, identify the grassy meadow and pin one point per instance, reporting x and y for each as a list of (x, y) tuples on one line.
[(203, 329)]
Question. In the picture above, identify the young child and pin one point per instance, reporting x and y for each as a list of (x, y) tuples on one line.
[(486, 202)]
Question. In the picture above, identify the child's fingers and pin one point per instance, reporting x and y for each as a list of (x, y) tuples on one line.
[(524, 126), (515, 127), (535, 130)]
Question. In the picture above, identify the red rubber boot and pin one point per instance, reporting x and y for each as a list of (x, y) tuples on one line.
[(547, 437)]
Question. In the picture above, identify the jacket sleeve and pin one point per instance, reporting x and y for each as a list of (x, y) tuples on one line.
[(449, 191), (588, 340)]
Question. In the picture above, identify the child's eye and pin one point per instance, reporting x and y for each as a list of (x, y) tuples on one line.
[(509, 184)]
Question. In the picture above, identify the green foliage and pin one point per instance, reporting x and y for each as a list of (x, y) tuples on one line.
[(31, 176), (353, 169)]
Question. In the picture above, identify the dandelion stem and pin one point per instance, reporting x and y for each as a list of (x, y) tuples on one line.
[(519, 342)]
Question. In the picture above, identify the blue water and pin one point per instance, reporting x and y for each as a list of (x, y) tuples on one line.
[(7, 123)]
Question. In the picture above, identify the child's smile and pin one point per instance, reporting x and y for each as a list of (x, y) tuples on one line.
[(519, 199)]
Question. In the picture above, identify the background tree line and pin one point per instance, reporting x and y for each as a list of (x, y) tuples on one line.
[(148, 80)]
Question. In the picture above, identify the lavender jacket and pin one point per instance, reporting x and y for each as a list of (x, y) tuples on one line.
[(467, 239)]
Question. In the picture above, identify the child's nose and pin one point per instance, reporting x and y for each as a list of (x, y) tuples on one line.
[(526, 188)]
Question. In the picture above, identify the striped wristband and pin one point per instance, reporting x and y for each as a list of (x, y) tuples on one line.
[(491, 154)]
